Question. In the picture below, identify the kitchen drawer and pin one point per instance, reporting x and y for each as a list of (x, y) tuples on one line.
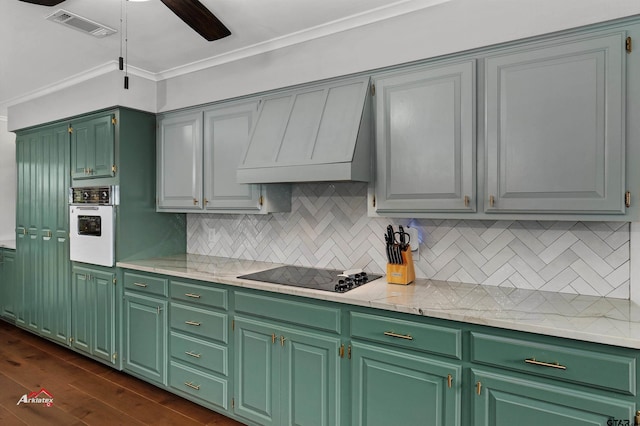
[(595, 369), (299, 313), (146, 284), (199, 294), (407, 334), (198, 384), (208, 324), (199, 353)]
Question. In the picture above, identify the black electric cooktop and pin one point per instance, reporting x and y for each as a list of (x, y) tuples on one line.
[(319, 279)]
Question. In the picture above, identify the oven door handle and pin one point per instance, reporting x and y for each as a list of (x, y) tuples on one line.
[(86, 208)]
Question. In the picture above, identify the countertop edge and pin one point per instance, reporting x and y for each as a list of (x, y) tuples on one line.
[(530, 321)]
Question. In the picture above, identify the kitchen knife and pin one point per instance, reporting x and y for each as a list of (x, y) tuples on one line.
[(390, 244)]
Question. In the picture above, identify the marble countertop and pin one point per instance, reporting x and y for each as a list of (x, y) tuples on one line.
[(11, 244), (593, 319)]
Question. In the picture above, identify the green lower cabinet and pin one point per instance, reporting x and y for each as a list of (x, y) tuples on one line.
[(390, 387), (93, 312), (285, 375), (501, 400), (145, 337), (8, 283)]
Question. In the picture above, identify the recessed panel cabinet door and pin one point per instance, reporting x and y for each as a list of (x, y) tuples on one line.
[(425, 140), (179, 151), (505, 401), (92, 147), (395, 388), (257, 372), (226, 135), (555, 128)]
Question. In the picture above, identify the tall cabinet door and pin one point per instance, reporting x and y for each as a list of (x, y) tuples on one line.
[(93, 147), (226, 135), (179, 149), (81, 300), (103, 316), (55, 266), (425, 139), (555, 128), (22, 225)]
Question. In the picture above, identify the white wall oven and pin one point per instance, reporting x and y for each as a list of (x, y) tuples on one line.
[(92, 221)]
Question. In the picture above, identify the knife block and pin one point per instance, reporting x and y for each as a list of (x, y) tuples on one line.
[(402, 274)]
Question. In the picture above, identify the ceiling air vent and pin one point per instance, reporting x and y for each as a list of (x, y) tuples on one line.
[(81, 24)]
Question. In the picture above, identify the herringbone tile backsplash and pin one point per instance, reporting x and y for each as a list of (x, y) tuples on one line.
[(328, 227)]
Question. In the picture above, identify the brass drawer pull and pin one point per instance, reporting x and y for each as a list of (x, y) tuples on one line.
[(545, 364), (192, 354), (192, 386), (195, 296), (140, 285), (479, 388), (197, 324), (399, 336)]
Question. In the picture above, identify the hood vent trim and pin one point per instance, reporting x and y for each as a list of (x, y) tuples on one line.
[(311, 134), (80, 23)]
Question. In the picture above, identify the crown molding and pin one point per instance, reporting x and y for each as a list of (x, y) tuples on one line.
[(382, 13), (340, 25)]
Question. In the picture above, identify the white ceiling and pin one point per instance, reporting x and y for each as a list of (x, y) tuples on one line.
[(37, 54)]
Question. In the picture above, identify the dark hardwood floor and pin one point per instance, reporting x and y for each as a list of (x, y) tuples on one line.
[(85, 392)]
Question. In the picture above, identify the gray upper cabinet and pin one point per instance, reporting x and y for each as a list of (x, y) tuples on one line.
[(179, 155), (555, 127), (198, 153), (425, 139)]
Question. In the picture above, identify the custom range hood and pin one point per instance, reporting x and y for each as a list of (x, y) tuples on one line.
[(311, 134)]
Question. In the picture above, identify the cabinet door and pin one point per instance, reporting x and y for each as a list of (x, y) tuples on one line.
[(394, 388), (179, 151), (504, 401), (8, 282), (22, 224), (82, 309), (226, 135), (92, 147), (555, 128), (310, 379), (93, 312), (425, 140), (103, 315), (55, 266), (145, 336), (257, 372)]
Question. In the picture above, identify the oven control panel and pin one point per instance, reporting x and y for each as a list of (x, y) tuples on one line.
[(96, 195)]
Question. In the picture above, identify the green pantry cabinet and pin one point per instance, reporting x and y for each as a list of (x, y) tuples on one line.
[(270, 359), (70, 302)]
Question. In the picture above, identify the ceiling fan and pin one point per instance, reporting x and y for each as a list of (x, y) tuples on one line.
[(192, 12)]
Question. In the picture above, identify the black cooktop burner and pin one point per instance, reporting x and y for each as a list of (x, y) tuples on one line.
[(319, 279)]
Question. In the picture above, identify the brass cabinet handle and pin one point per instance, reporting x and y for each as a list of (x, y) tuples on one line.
[(197, 324), (282, 339), (492, 200), (545, 364), (399, 336), (478, 388), (449, 380), (466, 201), (195, 201), (159, 309), (192, 386), (140, 285), (192, 354), (195, 296), (206, 201), (341, 351), (273, 337)]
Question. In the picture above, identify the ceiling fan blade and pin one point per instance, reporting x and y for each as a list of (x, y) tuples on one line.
[(44, 2), (198, 17)]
